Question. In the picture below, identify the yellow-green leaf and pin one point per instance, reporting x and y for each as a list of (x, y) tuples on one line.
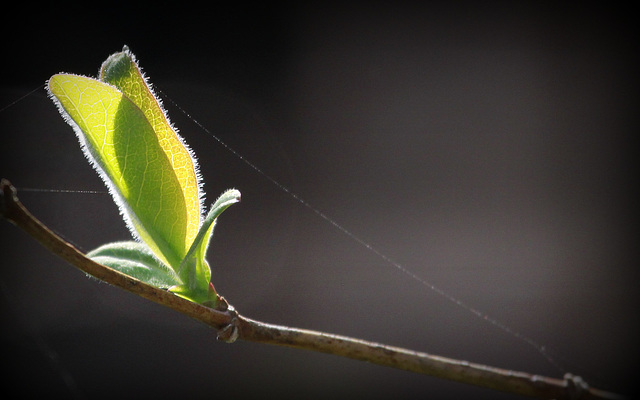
[(122, 71), (151, 173), (123, 146)]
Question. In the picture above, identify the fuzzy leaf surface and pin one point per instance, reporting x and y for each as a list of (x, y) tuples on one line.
[(136, 260), (125, 150)]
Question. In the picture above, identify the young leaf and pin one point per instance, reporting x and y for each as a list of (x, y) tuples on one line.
[(137, 260), (150, 172), (124, 149), (194, 269), (122, 71)]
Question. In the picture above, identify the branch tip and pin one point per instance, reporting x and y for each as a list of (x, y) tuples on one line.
[(8, 197)]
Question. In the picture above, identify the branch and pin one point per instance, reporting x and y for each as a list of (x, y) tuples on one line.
[(231, 325)]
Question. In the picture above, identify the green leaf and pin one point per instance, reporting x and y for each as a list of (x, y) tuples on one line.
[(137, 260), (194, 269), (124, 148), (149, 170), (121, 70)]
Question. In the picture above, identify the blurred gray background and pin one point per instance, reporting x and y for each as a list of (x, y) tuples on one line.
[(486, 148)]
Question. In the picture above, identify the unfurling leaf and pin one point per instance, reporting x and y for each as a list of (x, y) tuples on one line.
[(150, 172), (135, 259)]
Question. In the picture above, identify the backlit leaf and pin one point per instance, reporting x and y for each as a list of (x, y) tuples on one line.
[(125, 150), (150, 172), (122, 71)]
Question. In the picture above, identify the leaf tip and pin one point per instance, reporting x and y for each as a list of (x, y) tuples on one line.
[(234, 195)]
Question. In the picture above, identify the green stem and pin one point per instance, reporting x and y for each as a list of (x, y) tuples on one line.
[(223, 319)]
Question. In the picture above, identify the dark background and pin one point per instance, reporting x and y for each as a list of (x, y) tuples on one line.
[(488, 149)]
